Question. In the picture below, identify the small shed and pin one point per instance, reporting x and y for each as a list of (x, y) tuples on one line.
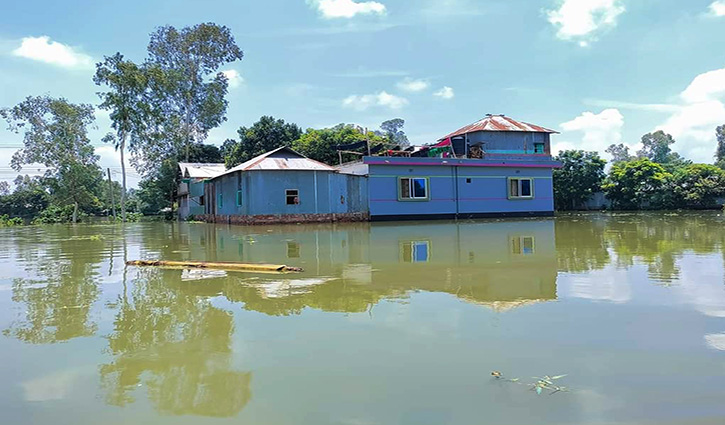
[(190, 193), (285, 186)]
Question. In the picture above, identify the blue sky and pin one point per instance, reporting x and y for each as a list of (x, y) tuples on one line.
[(599, 71)]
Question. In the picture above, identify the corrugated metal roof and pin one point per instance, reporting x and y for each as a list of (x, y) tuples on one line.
[(498, 123), (282, 158), (197, 170)]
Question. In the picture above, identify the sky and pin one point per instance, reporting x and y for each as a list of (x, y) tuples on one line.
[(597, 71)]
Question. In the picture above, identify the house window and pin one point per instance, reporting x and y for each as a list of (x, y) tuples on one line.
[(292, 196), (201, 200), (415, 252), (523, 245), (520, 188), (220, 200), (413, 189), (239, 198), (539, 148)]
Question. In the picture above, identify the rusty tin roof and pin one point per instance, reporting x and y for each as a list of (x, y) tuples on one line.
[(498, 123)]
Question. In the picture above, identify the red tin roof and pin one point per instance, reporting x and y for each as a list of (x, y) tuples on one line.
[(498, 123)]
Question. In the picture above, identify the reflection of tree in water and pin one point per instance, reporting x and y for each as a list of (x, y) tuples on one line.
[(179, 346), (660, 240), (59, 297), (580, 244), (656, 239)]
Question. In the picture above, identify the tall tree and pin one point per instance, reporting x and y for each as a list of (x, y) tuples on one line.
[(720, 152), (619, 152), (580, 176), (656, 147), (128, 103), (636, 184), (319, 144), (191, 91), (264, 135), (393, 130), (56, 136)]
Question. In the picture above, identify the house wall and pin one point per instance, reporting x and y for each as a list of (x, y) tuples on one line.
[(451, 195), (321, 195), (509, 142), (190, 198)]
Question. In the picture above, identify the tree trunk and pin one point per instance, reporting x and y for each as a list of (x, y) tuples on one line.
[(123, 180), (110, 189), (75, 212)]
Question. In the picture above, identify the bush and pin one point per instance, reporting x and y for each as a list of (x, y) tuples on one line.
[(55, 214), (6, 221)]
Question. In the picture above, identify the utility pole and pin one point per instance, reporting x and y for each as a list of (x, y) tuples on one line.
[(367, 141), (110, 189)]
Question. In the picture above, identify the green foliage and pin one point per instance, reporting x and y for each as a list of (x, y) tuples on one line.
[(319, 144), (55, 135), (620, 153), (28, 199), (6, 221), (699, 186), (720, 152), (56, 214), (580, 176), (186, 85), (637, 184), (393, 130), (129, 102), (264, 135)]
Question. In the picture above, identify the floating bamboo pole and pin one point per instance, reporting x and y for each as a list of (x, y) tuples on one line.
[(214, 265)]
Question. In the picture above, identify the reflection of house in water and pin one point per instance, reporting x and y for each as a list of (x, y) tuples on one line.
[(351, 267)]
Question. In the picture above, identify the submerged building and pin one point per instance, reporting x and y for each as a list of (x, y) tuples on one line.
[(494, 167), (190, 193), (283, 186)]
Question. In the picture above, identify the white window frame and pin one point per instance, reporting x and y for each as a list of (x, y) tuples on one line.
[(518, 181), (411, 191)]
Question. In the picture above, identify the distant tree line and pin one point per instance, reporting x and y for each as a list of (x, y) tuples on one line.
[(655, 177)]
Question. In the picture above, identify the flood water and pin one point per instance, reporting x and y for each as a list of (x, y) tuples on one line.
[(388, 324)]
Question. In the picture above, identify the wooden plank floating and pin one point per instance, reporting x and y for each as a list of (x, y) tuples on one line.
[(264, 268)]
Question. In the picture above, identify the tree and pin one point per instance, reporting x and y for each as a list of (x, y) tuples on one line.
[(393, 130), (188, 87), (129, 106), (56, 136), (580, 176), (636, 184), (656, 147), (264, 135), (699, 185), (720, 152), (319, 144), (620, 152), (4, 188), (28, 199), (227, 147)]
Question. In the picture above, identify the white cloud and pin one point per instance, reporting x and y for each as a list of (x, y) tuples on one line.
[(43, 49), (445, 93), (717, 8), (583, 20), (235, 80), (331, 9), (411, 85), (702, 109), (599, 131), (366, 101)]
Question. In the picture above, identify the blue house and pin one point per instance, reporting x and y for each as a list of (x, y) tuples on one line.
[(283, 186), (190, 193), (496, 166)]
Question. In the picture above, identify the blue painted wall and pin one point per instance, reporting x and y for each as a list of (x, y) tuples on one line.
[(451, 193), (509, 142), (264, 192)]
